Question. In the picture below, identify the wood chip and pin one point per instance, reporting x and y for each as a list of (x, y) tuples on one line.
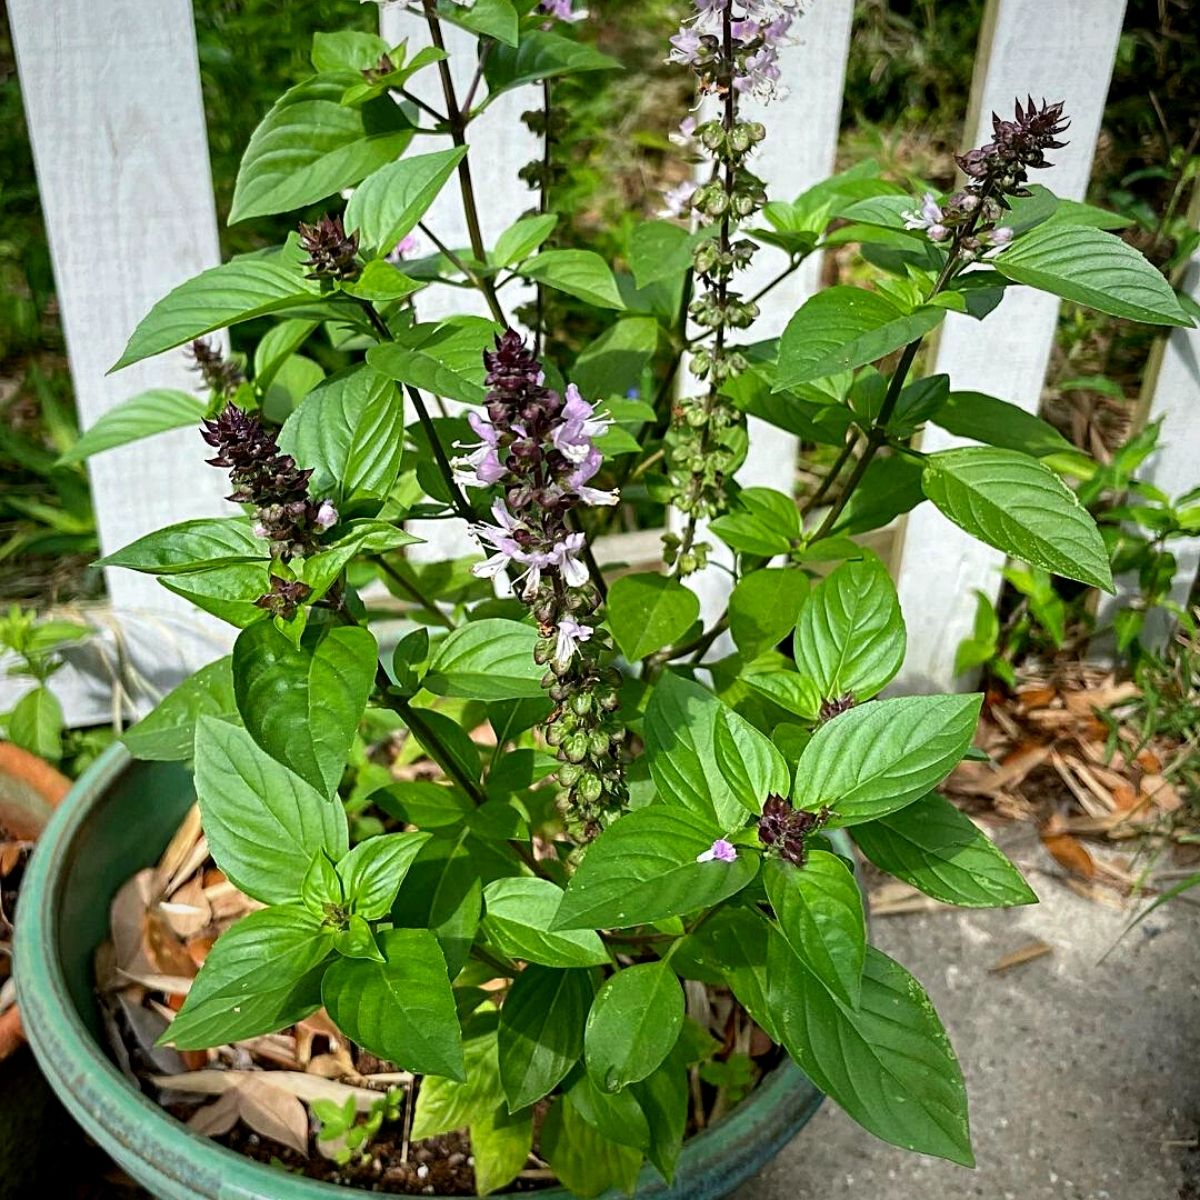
[(1024, 954), (1070, 853), (178, 850)]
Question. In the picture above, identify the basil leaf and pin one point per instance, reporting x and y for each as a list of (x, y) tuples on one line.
[(633, 1025)]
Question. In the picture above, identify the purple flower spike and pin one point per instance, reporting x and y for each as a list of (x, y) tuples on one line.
[(719, 851)]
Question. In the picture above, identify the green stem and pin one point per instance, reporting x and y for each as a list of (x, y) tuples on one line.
[(414, 593), (831, 475), (457, 124)]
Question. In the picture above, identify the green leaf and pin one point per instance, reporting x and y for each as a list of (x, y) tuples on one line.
[(277, 345), (168, 732), (310, 146), (350, 431), (357, 941), (390, 201), (541, 55), (442, 893), (235, 291), (820, 913), (142, 416), (373, 871), (764, 522), (490, 659), (998, 423), (649, 611), (347, 50), (541, 1031), (1092, 268), (500, 1143), (36, 724), (939, 850), (585, 1161), (614, 362), (443, 359), (302, 704), (850, 637), (876, 758), (401, 1009), (663, 1097), (493, 18), (764, 607), (659, 250), (382, 282), (1017, 504), (633, 1025), (890, 488), (228, 592), (517, 921), (263, 823), (797, 693), (444, 1105), (705, 757), (262, 974), (733, 945), (522, 238), (845, 327), (617, 1115), (888, 1063), (580, 273), (191, 546), (643, 868)]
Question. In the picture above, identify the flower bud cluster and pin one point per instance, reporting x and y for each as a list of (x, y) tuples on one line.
[(332, 252), (733, 47), (538, 446), (220, 374), (786, 830), (967, 220), (270, 481)]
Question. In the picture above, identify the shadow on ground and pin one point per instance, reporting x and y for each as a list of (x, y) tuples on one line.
[(1084, 1077)]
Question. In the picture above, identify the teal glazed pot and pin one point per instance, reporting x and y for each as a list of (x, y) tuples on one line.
[(118, 819)]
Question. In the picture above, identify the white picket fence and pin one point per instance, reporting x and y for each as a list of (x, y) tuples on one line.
[(112, 93)]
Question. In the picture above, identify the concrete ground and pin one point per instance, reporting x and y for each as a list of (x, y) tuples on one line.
[(1083, 1077)]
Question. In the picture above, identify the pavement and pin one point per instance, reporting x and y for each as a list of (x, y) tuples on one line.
[(1083, 1076)]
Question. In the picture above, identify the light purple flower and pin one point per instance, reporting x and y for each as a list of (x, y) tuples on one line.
[(481, 466), (260, 530), (561, 10), (327, 515), (577, 481), (719, 851), (409, 244), (927, 217), (744, 31), (570, 635), (578, 425), (566, 557), (685, 133), (678, 200), (1001, 237), (501, 538), (685, 47), (761, 77)]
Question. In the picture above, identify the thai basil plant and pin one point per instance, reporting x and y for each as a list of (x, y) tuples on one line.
[(617, 804)]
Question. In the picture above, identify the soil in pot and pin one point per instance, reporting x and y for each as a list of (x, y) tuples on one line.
[(257, 1097)]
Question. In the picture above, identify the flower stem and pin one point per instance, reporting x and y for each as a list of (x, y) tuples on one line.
[(456, 121)]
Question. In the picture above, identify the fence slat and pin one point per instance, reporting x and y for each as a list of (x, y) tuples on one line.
[(799, 150), (1060, 49), (1174, 466), (501, 146), (112, 95)]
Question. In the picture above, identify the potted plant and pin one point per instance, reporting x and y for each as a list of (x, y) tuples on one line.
[(624, 818)]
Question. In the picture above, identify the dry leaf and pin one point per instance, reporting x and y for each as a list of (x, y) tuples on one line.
[(216, 1118), (318, 1025), (1069, 852), (303, 1086), (188, 912), (273, 1112), (1162, 793), (127, 919), (1024, 954), (179, 850), (10, 856), (166, 954)]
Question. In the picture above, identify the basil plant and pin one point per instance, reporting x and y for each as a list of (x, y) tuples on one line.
[(502, 853)]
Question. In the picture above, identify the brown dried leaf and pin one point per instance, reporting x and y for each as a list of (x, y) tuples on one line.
[(318, 1025), (1162, 793), (10, 856), (273, 1112), (989, 781), (300, 1084), (1070, 853), (127, 918), (1036, 697), (179, 850), (166, 954), (216, 1118), (1024, 954), (188, 911)]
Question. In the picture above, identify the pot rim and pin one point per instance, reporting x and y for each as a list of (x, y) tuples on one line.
[(110, 1108)]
